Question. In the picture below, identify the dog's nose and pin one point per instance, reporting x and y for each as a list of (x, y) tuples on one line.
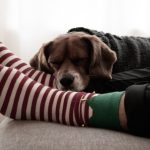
[(67, 80)]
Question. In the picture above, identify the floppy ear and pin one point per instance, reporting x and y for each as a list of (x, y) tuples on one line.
[(39, 61), (102, 58)]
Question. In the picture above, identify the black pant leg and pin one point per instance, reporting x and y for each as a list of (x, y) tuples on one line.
[(137, 108)]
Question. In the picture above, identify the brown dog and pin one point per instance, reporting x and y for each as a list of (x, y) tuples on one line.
[(73, 58)]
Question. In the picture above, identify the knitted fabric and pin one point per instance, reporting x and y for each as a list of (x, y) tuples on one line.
[(132, 52)]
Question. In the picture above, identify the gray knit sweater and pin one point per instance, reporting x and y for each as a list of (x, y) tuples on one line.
[(132, 52)]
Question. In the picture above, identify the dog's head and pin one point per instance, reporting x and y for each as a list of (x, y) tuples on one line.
[(74, 58)]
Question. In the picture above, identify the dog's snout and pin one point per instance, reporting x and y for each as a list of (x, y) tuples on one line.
[(67, 80)]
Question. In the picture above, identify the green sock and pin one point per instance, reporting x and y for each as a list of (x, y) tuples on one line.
[(105, 110)]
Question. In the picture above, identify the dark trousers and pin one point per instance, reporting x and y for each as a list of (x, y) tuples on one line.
[(136, 85)]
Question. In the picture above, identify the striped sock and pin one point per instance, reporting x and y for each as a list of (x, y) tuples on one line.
[(23, 98), (7, 58)]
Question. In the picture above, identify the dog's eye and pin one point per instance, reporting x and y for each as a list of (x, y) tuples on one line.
[(79, 62), (56, 64), (55, 61)]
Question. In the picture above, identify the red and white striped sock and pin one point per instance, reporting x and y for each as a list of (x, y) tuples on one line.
[(23, 98), (7, 58)]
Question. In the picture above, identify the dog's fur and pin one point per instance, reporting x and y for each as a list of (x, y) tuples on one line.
[(76, 57)]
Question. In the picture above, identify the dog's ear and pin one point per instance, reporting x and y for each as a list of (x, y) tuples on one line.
[(102, 57), (40, 60)]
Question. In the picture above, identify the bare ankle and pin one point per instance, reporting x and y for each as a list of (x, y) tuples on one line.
[(122, 114)]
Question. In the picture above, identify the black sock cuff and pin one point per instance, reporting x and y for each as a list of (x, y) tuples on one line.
[(137, 105)]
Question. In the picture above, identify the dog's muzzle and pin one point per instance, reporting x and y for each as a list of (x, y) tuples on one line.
[(67, 80)]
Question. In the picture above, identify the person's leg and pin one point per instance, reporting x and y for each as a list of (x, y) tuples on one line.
[(7, 58), (137, 108), (134, 110)]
